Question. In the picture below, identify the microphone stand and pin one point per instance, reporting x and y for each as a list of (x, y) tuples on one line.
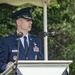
[(63, 47), (51, 35), (16, 62)]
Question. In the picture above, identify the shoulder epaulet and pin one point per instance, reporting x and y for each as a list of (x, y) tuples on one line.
[(9, 35), (34, 36)]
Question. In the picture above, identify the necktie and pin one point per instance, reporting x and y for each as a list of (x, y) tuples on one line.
[(25, 44)]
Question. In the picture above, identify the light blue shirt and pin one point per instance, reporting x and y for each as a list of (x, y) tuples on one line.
[(22, 40)]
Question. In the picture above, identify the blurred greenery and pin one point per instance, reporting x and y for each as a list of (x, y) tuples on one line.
[(61, 19)]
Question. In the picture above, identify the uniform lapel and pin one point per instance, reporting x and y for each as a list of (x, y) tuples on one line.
[(30, 44)]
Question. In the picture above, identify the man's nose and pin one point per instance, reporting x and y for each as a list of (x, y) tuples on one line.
[(30, 21)]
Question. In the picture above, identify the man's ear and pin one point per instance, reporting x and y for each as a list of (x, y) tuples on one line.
[(18, 22)]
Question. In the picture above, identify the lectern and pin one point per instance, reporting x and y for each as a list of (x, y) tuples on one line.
[(52, 67)]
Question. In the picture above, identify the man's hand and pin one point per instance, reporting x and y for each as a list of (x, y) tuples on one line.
[(9, 64)]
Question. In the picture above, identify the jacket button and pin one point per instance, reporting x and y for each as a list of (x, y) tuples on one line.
[(26, 57)]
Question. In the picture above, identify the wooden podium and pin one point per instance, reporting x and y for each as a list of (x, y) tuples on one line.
[(52, 67)]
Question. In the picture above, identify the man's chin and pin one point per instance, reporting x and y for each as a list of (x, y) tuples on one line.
[(29, 30)]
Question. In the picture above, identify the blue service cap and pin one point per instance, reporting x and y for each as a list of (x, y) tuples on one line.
[(23, 13)]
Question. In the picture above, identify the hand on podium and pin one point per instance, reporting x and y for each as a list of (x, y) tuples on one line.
[(9, 64)]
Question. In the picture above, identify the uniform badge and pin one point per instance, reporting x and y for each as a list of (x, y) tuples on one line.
[(14, 57), (35, 48), (14, 50)]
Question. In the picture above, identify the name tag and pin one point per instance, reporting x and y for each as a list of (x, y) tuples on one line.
[(14, 50)]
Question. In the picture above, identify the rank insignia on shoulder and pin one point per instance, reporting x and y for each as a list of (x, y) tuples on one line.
[(35, 36)]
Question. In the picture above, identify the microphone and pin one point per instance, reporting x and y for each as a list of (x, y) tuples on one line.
[(51, 34), (20, 34)]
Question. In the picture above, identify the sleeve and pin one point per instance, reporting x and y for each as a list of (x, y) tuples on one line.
[(3, 55)]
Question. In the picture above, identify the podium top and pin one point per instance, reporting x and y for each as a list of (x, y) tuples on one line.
[(45, 62), (32, 63)]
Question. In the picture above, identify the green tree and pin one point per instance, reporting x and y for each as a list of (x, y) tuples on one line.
[(61, 18)]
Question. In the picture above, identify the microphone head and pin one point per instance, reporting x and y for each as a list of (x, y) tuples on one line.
[(52, 34), (20, 34)]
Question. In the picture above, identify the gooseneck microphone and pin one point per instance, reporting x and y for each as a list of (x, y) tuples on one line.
[(19, 35), (51, 34)]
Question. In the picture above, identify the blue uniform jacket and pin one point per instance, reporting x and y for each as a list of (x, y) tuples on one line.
[(9, 48)]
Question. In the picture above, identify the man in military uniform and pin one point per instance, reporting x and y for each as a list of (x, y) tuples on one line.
[(10, 46)]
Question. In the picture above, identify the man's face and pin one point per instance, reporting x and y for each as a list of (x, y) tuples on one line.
[(25, 24)]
